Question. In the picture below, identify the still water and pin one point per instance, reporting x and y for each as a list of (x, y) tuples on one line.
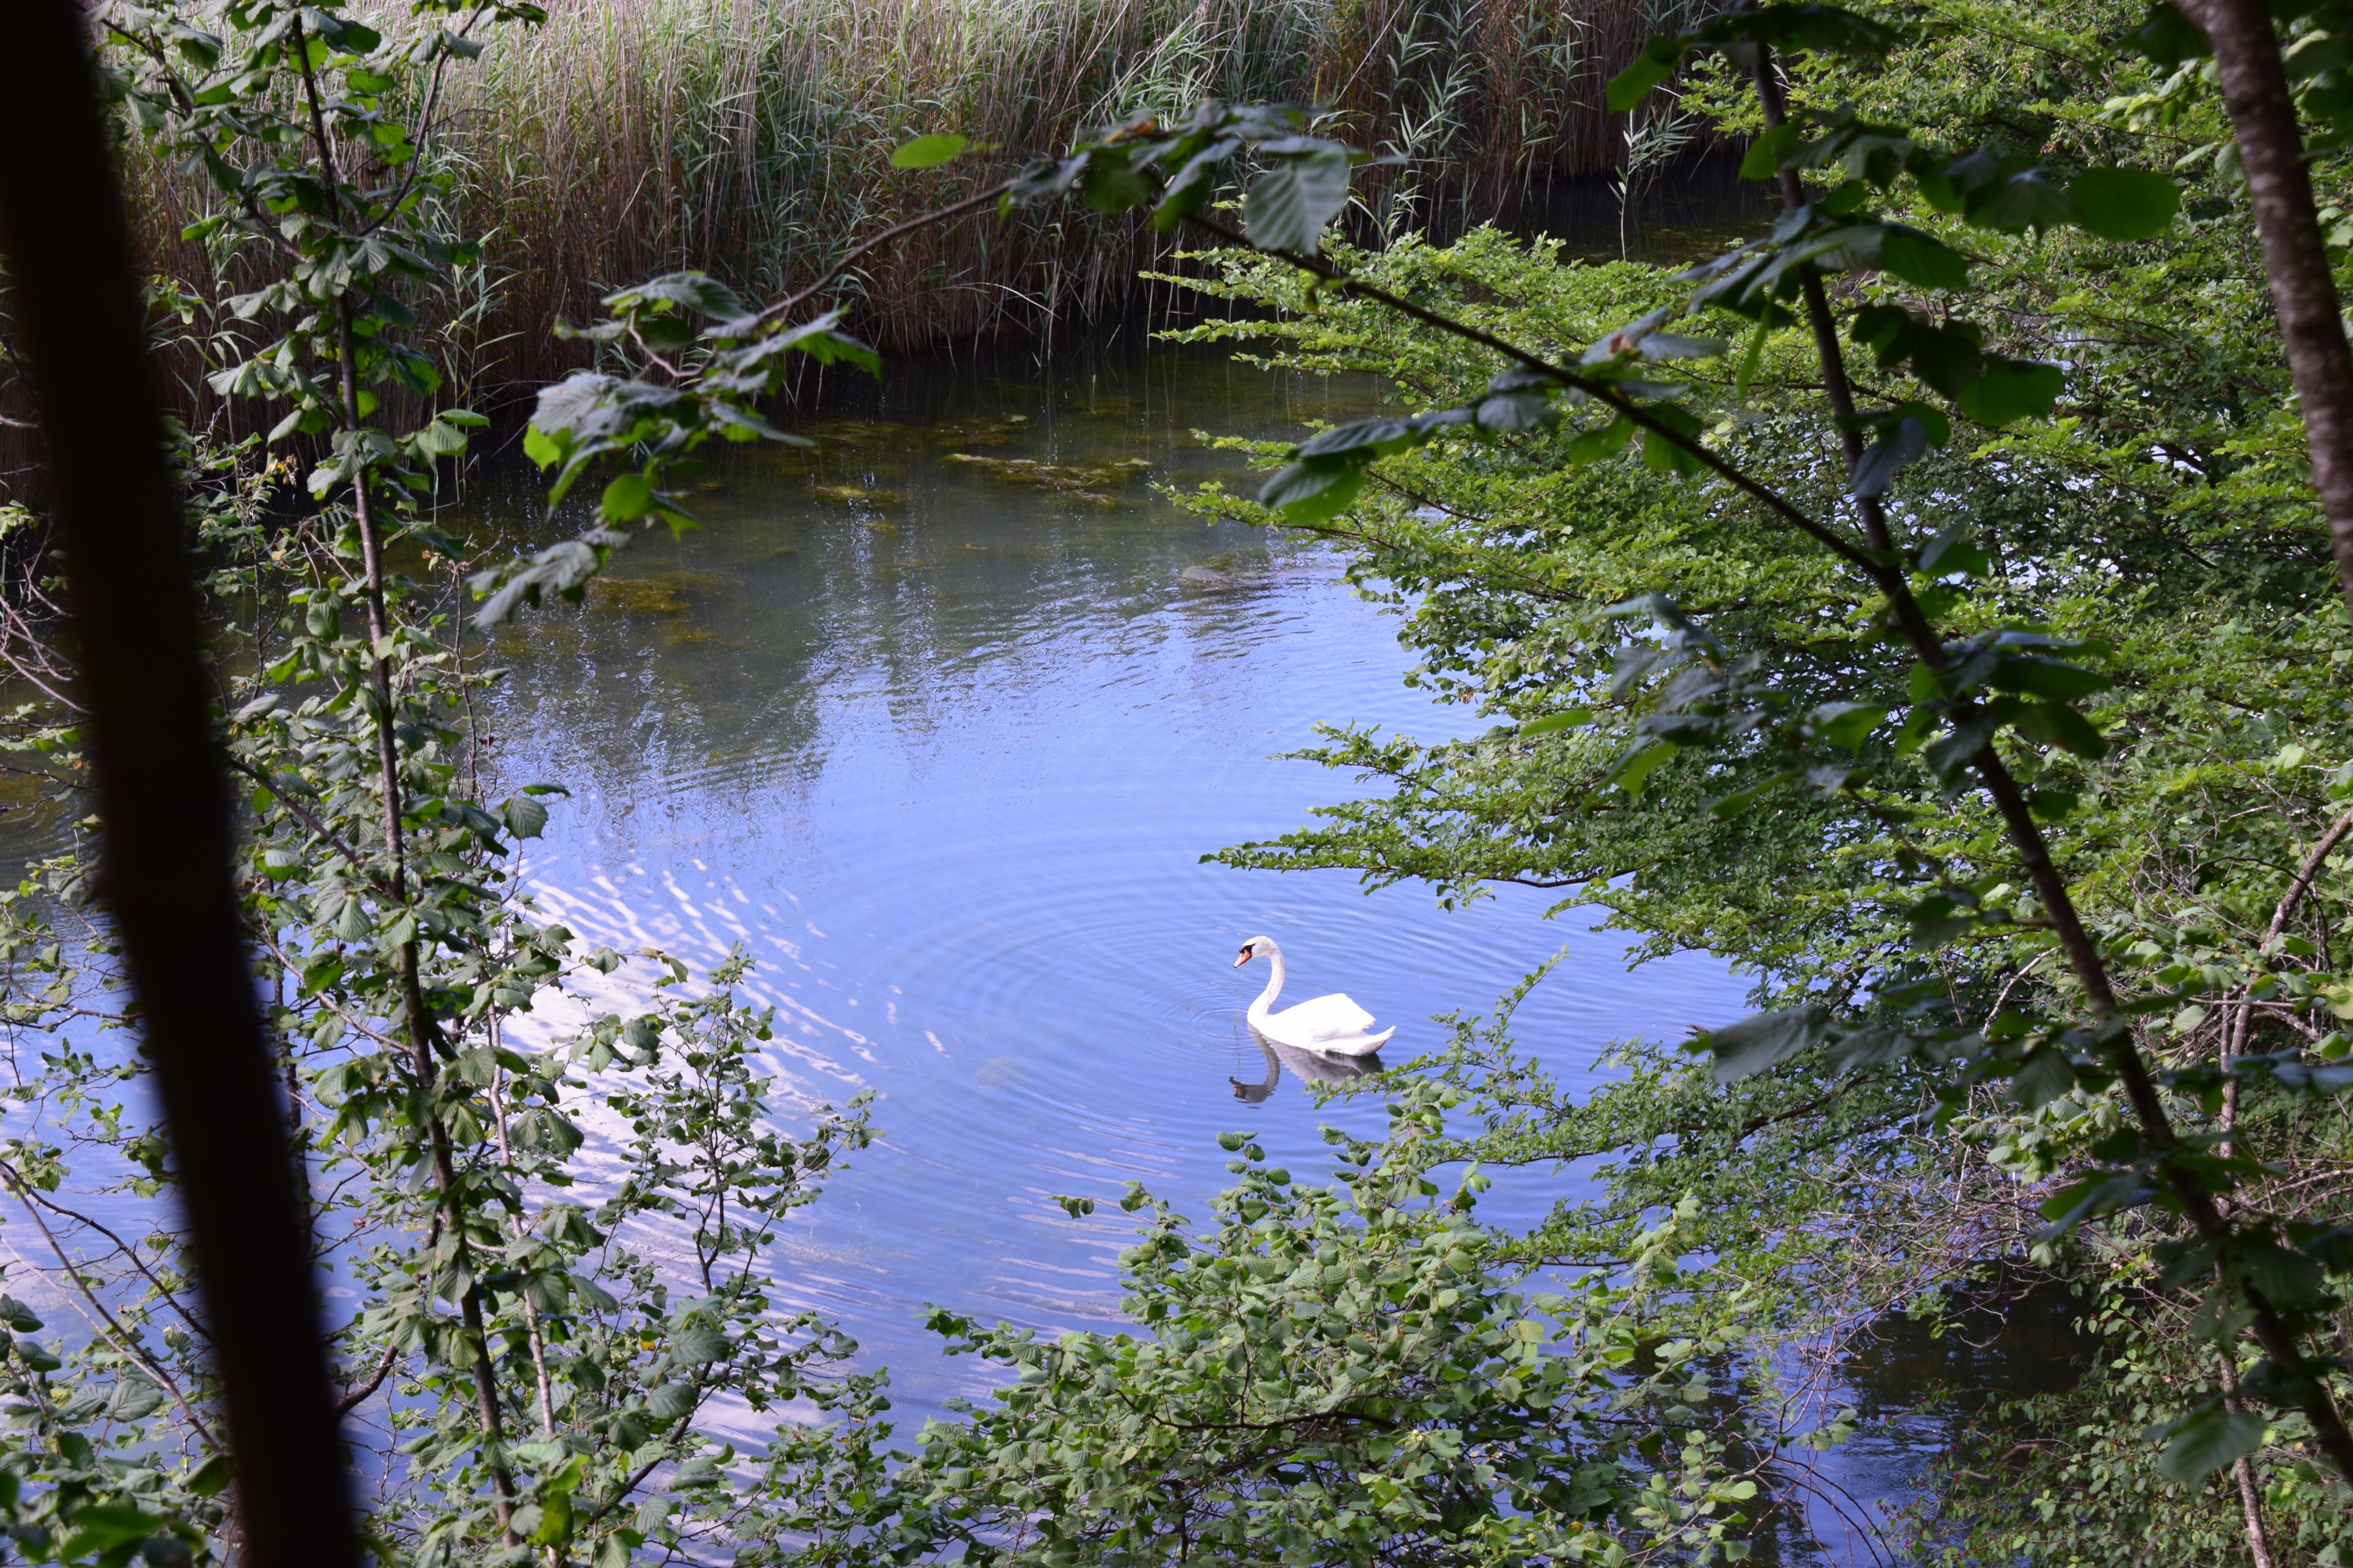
[(938, 718)]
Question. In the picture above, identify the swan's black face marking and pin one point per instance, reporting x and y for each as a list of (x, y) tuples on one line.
[(1245, 958)]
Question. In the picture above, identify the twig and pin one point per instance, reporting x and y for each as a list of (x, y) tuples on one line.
[(1605, 392), (104, 1320), (298, 810), (955, 209)]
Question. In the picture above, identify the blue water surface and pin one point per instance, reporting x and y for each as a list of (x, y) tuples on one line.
[(943, 742)]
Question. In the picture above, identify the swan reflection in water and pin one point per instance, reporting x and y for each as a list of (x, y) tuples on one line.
[(1309, 1064)]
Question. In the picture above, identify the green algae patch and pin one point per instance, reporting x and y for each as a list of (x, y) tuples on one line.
[(1089, 482), (637, 595)]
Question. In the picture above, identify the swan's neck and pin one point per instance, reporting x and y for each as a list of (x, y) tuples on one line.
[(1265, 1002)]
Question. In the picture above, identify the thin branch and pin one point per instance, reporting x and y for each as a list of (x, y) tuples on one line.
[(923, 220), (104, 1320), (28, 1192), (359, 1396), (296, 809), (1603, 391)]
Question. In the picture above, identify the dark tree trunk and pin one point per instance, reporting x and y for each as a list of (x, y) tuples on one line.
[(2304, 294), (161, 794)]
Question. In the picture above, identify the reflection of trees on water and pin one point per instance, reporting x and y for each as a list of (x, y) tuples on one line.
[(868, 566)]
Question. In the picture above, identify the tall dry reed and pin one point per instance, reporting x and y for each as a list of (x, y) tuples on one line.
[(751, 138)]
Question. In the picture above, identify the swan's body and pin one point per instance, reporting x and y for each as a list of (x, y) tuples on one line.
[(1334, 1024)]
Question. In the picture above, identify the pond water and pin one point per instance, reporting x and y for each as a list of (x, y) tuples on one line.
[(939, 718), (941, 736)]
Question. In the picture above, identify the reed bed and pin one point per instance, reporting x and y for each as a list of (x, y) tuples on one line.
[(751, 138)]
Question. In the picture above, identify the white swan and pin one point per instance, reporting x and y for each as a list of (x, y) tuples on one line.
[(1333, 1024)]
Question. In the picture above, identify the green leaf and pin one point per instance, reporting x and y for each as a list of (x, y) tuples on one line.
[(1633, 770), (101, 1526), (1921, 259), (1898, 446), (1654, 65), (2093, 1196), (2056, 724), (1952, 551), (702, 1471), (1111, 184), (1313, 490), (555, 1520), (1849, 195), (538, 449), (2124, 203), (626, 498), (1568, 718), (618, 1548), (212, 1477), (2167, 37), (2053, 805), (133, 1398), (2035, 676), (2288, 1278), (2009, 389), (1764, 1039), (929, 151), (525, 818), (19, 1316), (1670, 456), (1846, 723), (1287, 207), (342, 32), (1763, 159), (441, 439), (697, 1346), (2203, 1443), (1656, 346), (1373, 438), (1831, 29), (1726, 807), (1527, 410), (2029, 199), (1592, 446), (2047, 1075)]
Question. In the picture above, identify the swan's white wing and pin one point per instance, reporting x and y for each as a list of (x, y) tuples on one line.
[(1357, 1045), (1329, 1017)]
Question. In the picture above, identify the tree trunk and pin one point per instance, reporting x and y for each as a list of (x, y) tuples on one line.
[(2304, 294), (161, 793)]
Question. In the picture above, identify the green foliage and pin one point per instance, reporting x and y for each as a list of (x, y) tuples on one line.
[(1991, 721), (2065, 1475), (1338, 1375), (528, 1381), (929, 151), (535, 1385), (1840, 740)]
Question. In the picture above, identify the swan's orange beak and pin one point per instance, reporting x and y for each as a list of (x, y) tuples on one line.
[(1244, 958)]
